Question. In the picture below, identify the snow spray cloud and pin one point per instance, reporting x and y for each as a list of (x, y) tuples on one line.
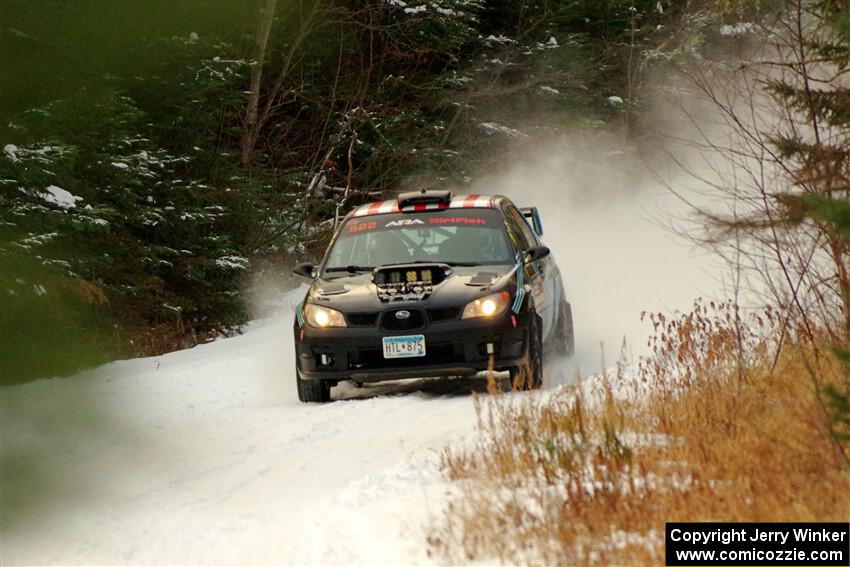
[(602, 212), (273, 295)]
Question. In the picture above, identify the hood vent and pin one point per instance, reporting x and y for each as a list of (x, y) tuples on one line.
[(332, 288), (482, 279)]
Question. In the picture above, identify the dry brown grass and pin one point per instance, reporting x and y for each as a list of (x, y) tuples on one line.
[(703, 432)]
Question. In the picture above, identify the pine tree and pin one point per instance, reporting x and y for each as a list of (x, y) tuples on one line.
[(815, 144)]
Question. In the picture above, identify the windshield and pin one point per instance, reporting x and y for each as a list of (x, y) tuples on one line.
[(460, 237)]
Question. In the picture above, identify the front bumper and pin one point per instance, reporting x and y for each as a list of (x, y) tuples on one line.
[(453, 348)]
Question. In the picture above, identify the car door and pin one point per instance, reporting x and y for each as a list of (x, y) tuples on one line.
[(539, 273)]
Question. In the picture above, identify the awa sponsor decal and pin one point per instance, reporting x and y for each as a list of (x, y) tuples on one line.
[(404, 222)]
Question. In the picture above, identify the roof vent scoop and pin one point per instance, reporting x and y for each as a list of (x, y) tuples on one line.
[(423, 197)]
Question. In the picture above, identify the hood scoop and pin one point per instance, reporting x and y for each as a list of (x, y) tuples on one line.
[(482, 279), (332, 289), (408, 282)]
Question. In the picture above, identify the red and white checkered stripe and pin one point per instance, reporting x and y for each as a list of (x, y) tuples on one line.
[(378, 208), (471, 202), (459, 202)]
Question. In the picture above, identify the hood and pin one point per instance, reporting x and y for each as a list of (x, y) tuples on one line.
[(358, 293)]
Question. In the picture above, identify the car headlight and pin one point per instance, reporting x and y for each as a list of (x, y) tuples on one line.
[(488, 306), (323, 317)]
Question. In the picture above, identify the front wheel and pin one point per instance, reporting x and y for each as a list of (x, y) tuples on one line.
[(529, 375), (312, 390)]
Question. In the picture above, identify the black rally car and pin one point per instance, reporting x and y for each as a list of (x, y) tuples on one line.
[(431, 285)]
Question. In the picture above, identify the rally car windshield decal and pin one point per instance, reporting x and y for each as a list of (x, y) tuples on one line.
[(393, 222), (470, 237)]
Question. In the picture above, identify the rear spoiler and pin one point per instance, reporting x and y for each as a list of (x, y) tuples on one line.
[(532, 217), (423, 197)]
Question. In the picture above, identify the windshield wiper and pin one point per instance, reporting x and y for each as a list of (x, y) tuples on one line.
[(350, 269), (355, 269), (408, 262), (461, 264)]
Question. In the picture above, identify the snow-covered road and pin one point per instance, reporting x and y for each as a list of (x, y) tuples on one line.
[(206, 456)]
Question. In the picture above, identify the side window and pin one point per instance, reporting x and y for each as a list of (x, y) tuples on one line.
[(524, 227), (515, 228)]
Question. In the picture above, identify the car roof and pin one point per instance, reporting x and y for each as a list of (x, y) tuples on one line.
[(457, 202)]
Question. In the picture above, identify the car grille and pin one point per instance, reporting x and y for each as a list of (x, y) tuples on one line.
[(391, 322), (362, 319), (444, 314)]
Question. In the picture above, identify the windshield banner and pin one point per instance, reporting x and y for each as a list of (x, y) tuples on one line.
[(474, 218)]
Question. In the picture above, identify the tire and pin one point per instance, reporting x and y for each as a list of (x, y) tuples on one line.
[(312, 390), (565, 342), (529, 376)]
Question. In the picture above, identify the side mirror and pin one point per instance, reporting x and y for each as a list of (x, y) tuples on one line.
[(305, 270), (536, 253)]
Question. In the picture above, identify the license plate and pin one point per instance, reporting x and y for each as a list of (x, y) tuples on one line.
[(404, 347)]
